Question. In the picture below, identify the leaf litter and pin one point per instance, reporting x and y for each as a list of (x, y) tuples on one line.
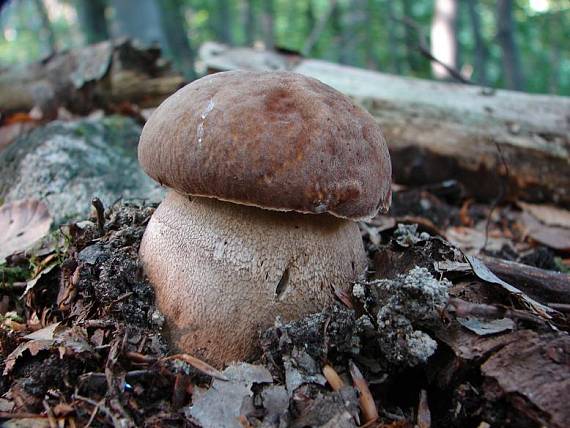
[(424, 331)]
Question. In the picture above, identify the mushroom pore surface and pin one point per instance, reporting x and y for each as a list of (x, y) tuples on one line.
[(222, 272)]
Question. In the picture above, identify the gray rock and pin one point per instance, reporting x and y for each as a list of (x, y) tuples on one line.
[(67, 164)]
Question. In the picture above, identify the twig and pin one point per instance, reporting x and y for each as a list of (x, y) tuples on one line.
[(561, 307), (332, 377), (198, 364), (51, 417), (425, 51), (500, 196), (367, 404), (317, 30), (93, 414), (100, 406), (424, 414)]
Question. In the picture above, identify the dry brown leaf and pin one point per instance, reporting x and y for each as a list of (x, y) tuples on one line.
[(46, 333), (23, 223), (471, 240), (548, 214), (33, 346), (554, 237)]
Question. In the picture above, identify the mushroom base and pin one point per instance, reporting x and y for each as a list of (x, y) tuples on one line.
[(223, 272)]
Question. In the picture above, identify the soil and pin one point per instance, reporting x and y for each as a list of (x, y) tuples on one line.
[(87, 346)]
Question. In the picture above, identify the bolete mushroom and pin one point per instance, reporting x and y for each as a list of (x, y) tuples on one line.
[(251, 158)]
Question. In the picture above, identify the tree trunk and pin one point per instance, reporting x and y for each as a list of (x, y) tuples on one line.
[(555, 21), (438, 131), (316, 28), (249, 24), (92, 17), (46, 28), (412, 41), (371, 22), (506, 35), (393, 42), (336, 30), (267, 16), (481, 54), (222, 22), (444, 37), (140, 20), (174, 28), (352, 22)]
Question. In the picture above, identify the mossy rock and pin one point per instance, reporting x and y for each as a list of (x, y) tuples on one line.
[(67, 164)]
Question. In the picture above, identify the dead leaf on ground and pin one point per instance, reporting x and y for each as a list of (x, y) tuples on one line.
[(484, 273), (472, 240), (548, 214), (221, 405), (33, 346), (23, 223), (555, 237), (32, 282), (486, 327), (46, 333), (39, 422)]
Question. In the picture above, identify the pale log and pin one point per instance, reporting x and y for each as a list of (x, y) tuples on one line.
[(102, 75), (495, 142)]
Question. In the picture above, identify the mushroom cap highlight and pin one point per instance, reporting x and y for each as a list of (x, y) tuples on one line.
[(275, 140)]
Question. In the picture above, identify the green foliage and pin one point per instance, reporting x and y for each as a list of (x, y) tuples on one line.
[(363, 33)]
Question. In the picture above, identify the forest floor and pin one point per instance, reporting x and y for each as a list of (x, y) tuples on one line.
[(432, 337)]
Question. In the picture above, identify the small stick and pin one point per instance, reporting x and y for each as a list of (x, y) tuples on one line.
[(332, 377), (100, 210), (424, 414), (367, 404), (179, 390), (51, 417), (198, 364)]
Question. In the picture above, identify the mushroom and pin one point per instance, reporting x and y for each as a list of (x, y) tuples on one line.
[(251, 157)]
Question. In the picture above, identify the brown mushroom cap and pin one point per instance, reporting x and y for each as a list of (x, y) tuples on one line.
[(275, 140), (222, 272)]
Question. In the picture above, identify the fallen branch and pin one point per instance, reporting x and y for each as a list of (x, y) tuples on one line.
[(103, 75), (541, 284)]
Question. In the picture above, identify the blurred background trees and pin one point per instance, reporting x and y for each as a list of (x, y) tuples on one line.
[(515, 44)]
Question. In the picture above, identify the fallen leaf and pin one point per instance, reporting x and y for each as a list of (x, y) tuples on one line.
[(526, 378), (486, 327), (39, 422), (484, 273), (46, 333), (548, 214), (471, 240), (33, 346), (23, 223), (554, 237), (32, 282), (220, 406)]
